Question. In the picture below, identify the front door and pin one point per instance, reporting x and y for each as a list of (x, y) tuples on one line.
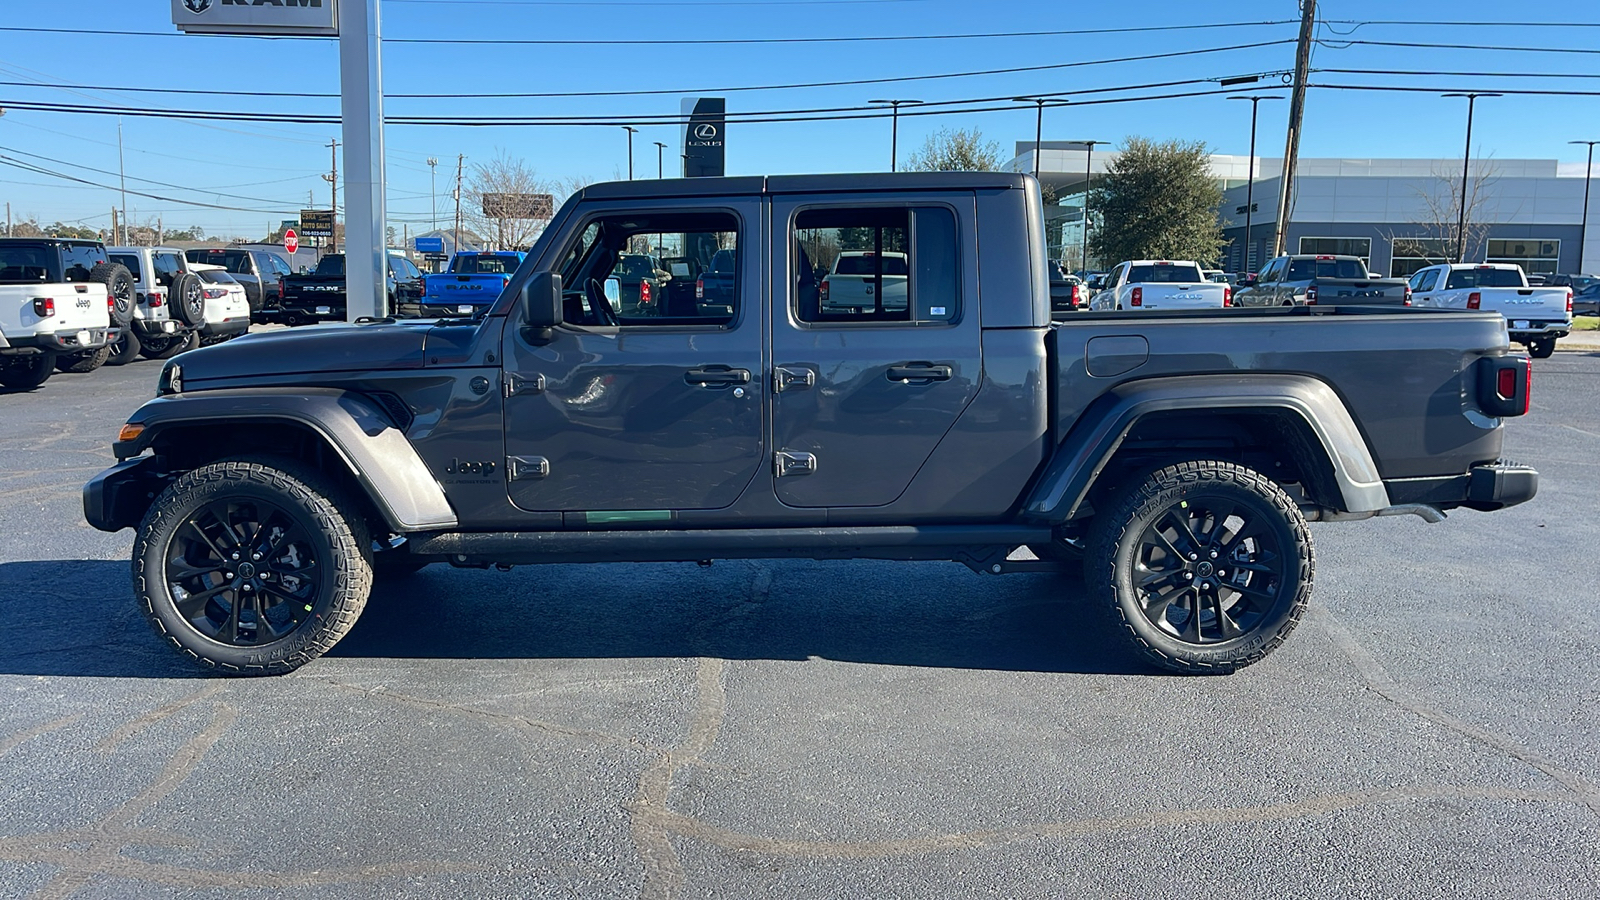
[(875, 345), (636, 409)]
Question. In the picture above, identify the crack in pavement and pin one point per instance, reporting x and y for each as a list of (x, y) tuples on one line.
[(1379, 681)]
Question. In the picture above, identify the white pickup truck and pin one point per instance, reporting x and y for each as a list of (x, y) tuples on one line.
[(861, 278), (55, 308), (1535, 316), (1161, 284)]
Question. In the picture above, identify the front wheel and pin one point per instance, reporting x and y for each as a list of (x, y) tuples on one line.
[(252, 566), (1205, 566)]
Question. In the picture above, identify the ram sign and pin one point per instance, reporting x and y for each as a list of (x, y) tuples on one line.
[(275, 17), (518, 206)]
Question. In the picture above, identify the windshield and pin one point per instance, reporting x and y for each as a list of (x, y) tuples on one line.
[(1307, 269), (1164, 273), (893, 264), (1471, 278)]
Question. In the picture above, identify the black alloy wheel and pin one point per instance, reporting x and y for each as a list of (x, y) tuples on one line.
[(1207, 565), (189, 299), (125, 349)]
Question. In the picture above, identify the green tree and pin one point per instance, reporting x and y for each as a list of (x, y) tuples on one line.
[(955, 151), (1157, 201)]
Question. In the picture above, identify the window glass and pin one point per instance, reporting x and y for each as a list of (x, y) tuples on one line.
[(166, 267), (1271, 272), (1412, 254), (237, 261), (1345, 246), (1307, 269), (1424, 280), (875, 265), (653, 269), (1532, 254), (78, 260), (276, 266), (1471, 278), (130, 260), (24, 264), (1164, 273)]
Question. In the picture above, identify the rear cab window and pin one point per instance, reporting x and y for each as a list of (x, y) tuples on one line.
[(1485, 277), (1164, 273), (131, 262), (27, 263), (1309, 269), (78, 260)]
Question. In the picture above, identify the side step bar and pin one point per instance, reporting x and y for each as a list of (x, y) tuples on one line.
[(980, 546)]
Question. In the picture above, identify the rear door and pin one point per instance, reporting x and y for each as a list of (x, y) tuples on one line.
[(630, 416), (861, 396)]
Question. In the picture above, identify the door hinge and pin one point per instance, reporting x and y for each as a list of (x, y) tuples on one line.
[(790, 462), (527, 468), (792, 379), (515, 384)]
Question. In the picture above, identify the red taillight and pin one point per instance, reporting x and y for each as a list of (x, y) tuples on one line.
[(1408, 296), (644, 292), (699, 288), (1077, 294), (156, 298), (1311, 295), (1507, 386), (822, 290), (216, 293), (1474, 300), (44, 307), (1569, 303), (111, 304), (1138, 297), (1227, 296)]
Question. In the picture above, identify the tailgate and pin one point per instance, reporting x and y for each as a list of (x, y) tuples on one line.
[(312, 289), (476, 289), (1542, 304), (1200, 295), (1352, 290), (76, 306)]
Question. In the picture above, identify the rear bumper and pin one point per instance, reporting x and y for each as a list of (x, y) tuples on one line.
[(1485, 488), (1535, 329), (156, 326), (65, 341), (236, 325)]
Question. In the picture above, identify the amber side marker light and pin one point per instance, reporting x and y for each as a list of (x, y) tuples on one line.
[(130, 432)]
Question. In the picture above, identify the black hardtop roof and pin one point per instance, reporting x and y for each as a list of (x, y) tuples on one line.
[(802, 184), (51, 240)]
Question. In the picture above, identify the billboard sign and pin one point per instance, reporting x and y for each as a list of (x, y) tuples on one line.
[(433, 244), (518, 206), (704, 137), (316, 222), (274, 17)]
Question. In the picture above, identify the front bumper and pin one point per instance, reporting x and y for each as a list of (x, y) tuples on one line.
[(73, 340), (119, 497)]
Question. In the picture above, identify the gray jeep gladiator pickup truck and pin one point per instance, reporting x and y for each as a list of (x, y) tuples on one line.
[(1172, 457)]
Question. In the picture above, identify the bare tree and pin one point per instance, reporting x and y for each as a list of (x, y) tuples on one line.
[(505, 174), (1441, 206), (955, 151)]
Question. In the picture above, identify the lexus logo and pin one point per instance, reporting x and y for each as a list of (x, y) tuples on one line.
[(705, 131), (197, 6)]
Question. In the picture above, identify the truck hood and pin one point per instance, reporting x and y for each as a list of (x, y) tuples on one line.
[(310, 350)]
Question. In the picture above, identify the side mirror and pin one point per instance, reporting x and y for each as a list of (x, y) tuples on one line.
[(1247, 282), (541, 301)]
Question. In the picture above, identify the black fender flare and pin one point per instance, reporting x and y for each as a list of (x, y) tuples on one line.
[(1094, 440), (380, 458)]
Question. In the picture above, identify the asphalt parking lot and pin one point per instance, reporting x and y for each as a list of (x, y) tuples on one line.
[(784, 729)]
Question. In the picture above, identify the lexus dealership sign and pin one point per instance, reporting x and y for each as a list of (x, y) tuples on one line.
[(704, 144), (275, 17)]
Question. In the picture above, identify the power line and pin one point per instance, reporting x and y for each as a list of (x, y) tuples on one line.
[(1431, 90), (1460, 74), (1341, 44), (166, 184), (594, 3), (30, 167)]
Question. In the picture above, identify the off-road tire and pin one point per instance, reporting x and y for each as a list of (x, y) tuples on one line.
[(125, 349), (83, 363), (1542, 348), (24, 373), (166, 346), (340, 543), (120, 285), (1119, 535), (188, 299)]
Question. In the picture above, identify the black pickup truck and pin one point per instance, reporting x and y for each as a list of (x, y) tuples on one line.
[(319, 296), (1309, 279), (1172, 457)]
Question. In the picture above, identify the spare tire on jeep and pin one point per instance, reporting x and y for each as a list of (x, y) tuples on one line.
[(188, 300), (119, 285)]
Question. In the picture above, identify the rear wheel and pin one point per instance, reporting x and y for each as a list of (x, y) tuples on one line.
[(83, 363), (189, 300), (1542, 348), (1205, 566), (26, 372), (252, 566), (166, 346)]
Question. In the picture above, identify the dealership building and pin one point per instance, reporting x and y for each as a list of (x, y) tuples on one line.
[(1528, 211)]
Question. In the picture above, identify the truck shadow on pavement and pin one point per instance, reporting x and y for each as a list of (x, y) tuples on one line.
[(78, 617)]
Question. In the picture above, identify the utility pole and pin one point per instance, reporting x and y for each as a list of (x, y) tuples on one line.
[(630, 130), (894, 128), (161, 232), (1583, 229), (1250, 190), (659, 147), (1466, 160), (122, 175), (455, 237), (433, 188), (115, 238), (1297, 111), (8, 218), (333, 185)]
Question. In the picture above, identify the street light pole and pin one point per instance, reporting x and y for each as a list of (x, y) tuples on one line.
[(1038, 127), (1583, 229), (1466, 160), (1250, 189), (630, 130), (1088, 174), (433, 188), (659, 148), (894, 128)]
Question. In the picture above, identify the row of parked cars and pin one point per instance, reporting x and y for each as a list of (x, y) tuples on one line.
[(1536, 316), (75, 305)]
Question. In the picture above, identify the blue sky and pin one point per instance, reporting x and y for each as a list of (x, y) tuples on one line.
[(275, 165)]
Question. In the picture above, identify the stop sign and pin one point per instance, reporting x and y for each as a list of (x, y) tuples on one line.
[(291, 241)]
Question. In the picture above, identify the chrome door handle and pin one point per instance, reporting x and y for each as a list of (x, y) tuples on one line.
[(922, 372)]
